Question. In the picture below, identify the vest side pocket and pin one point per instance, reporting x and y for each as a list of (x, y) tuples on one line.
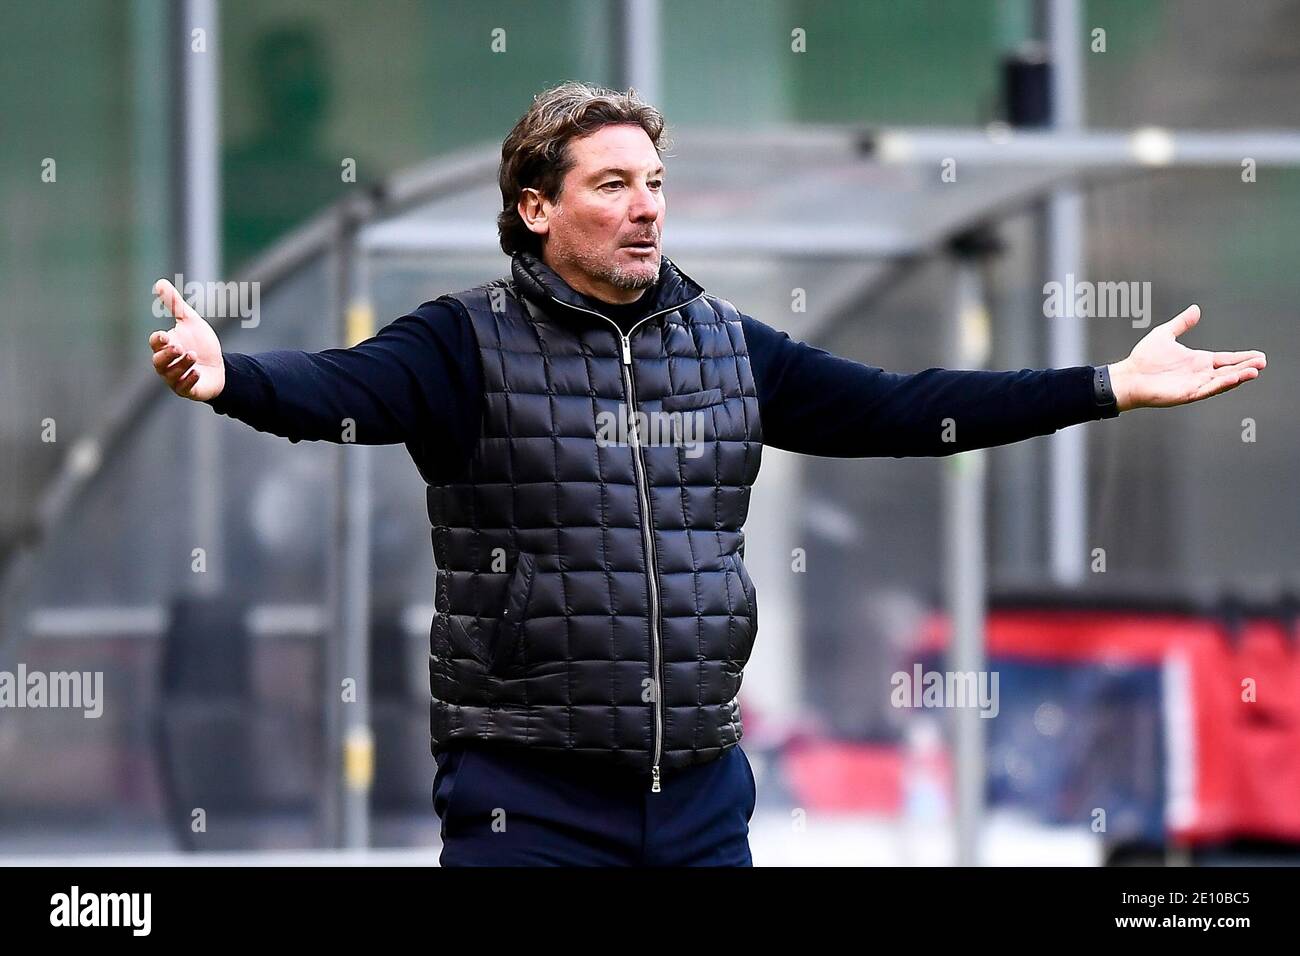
[(465, 638), (751, 606), (510, 627)]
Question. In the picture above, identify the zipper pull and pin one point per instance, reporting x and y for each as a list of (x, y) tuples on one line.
[(654, 787), (627, 351)]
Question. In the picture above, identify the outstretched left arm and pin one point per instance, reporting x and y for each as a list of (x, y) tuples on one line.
[(815, 403), (1161, 372)]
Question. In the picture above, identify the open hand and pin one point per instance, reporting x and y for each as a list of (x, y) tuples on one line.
[(1161, 372), (187, 356)]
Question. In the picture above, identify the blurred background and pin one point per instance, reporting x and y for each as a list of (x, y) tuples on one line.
[(1130, 582)]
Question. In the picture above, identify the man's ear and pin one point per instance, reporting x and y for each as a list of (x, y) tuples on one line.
[(533, 211)]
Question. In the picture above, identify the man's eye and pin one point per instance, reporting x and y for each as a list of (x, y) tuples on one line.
[(613, 183), (656, 183)]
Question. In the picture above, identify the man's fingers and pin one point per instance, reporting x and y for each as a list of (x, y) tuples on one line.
[(175, 372), (163, 338), (1184, 320), (174, 301), (1226, 380), (187, 382), (173, 375), (165, 356), (1236, 375), (170, 357), (1256, 358)]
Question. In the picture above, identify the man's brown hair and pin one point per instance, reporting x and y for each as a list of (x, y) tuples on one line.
[(536, 152)]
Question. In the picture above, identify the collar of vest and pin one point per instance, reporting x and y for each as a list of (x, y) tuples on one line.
[(536, 280)]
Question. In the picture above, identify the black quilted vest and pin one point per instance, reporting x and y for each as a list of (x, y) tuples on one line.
[(590, 595)]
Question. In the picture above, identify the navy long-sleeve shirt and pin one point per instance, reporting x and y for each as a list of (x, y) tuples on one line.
[(418, 382)]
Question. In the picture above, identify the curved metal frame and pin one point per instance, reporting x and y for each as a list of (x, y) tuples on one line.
[(1076, 153)]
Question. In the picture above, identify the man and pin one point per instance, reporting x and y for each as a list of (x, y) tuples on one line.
[(593, 611)]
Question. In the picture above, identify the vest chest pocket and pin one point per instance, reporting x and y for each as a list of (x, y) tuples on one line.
[(511, 625), (679, 403)]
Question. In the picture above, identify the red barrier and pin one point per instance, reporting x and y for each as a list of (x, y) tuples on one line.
[(1232, 706)]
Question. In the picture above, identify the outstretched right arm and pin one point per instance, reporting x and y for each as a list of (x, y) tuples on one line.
[(414, 381)]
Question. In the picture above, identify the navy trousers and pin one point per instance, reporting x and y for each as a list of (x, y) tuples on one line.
[(507, 806)]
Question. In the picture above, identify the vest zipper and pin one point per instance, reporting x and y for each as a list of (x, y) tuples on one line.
[(647, 533), (647, 528)]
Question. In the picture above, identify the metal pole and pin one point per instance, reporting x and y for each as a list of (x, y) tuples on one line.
[(638, 44), (200, 206), (1066, 334), (965, 556), (1016, 469), (350, 744), (358, 741)]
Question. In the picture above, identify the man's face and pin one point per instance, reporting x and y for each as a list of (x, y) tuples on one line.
[(603, 235)]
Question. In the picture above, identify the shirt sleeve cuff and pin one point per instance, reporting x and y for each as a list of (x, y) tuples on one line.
[(245, 387), (1076, 400)]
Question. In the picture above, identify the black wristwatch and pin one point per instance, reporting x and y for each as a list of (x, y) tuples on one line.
[(1102, 394)]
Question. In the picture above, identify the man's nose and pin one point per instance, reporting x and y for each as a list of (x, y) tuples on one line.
[(644, 206)]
